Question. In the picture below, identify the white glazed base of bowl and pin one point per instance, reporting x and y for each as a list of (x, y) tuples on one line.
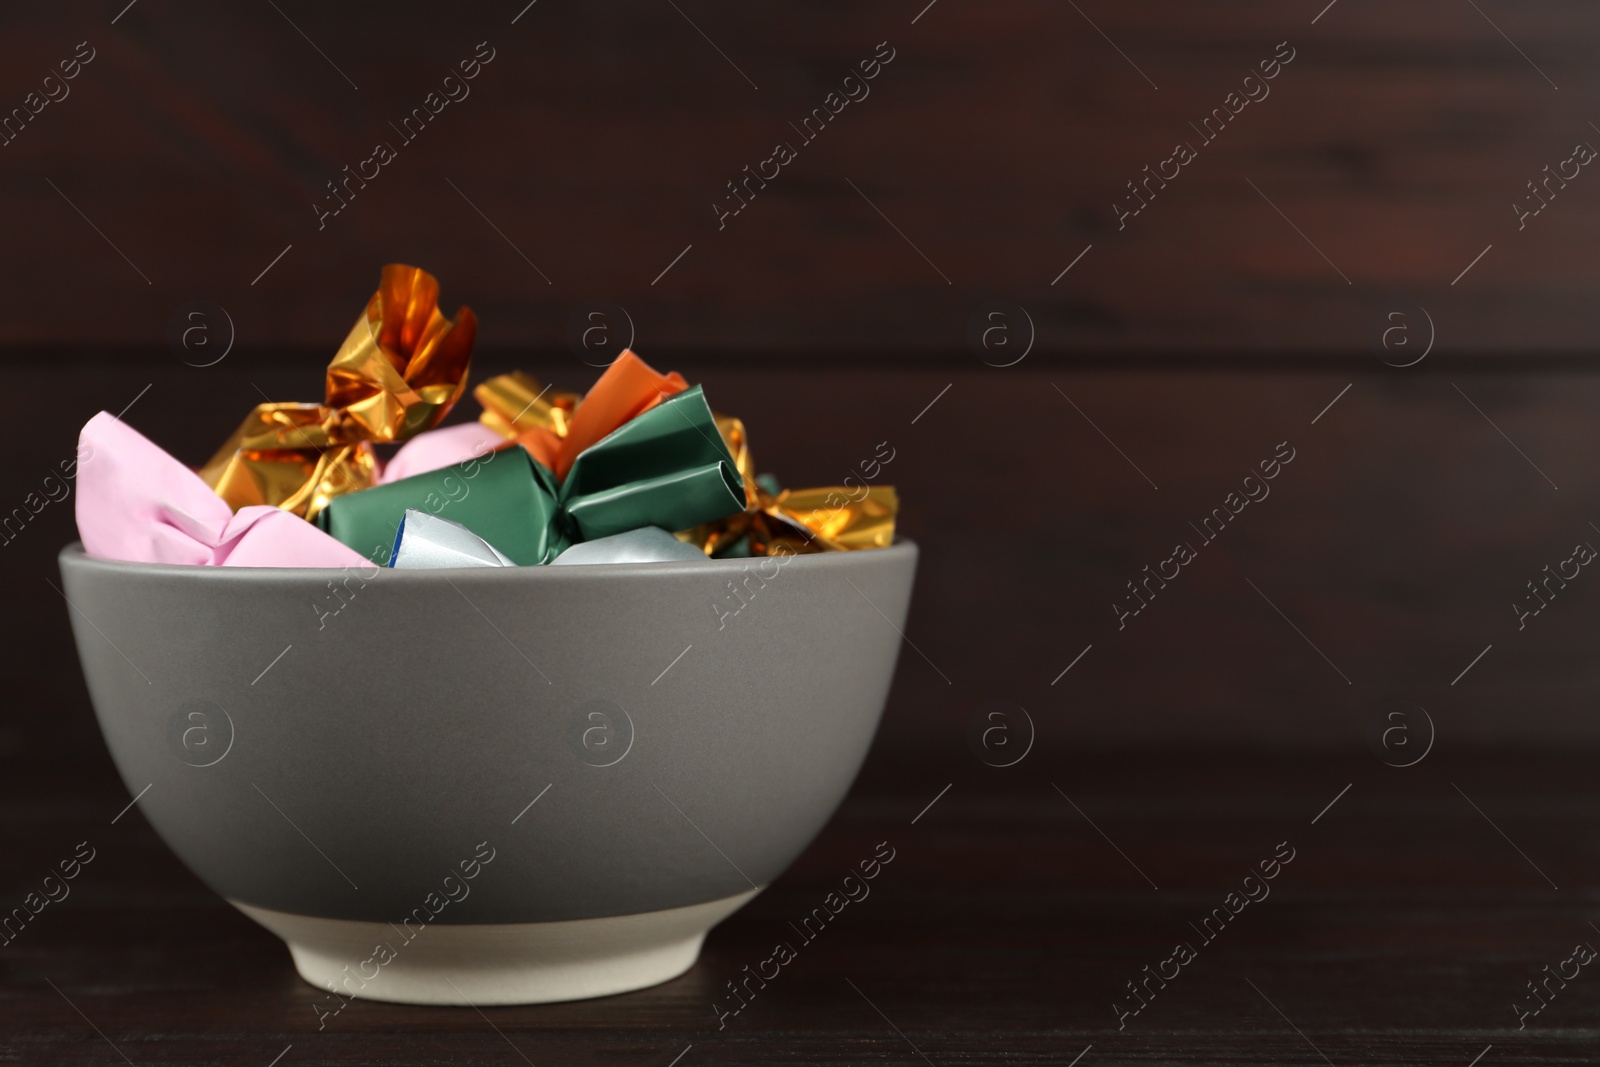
[(497, 963)]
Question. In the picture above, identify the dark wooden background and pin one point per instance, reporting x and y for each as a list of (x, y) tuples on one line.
[(1247, 306), (996, 141)]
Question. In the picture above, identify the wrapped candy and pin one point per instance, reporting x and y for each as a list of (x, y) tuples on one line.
[(666, 467), (401, 369), (556, 426), (136, 503), (516, 409), (504, 497), (443, 447), (647, 544), (427, 541), (780, 521), (542, 477)]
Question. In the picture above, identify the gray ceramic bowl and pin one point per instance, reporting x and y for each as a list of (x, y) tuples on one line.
[(496, 785)]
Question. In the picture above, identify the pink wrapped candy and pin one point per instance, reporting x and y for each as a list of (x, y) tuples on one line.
[(139, 504)]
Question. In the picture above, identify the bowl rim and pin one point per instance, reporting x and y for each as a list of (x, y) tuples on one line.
[(73, 554)]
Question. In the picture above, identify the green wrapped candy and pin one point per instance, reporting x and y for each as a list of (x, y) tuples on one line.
[(668, 467), (506, 498)]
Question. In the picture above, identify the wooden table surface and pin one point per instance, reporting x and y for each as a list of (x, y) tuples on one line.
[(1417, 904)]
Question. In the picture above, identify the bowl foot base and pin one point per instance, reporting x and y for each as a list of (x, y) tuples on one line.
[(496, 963)]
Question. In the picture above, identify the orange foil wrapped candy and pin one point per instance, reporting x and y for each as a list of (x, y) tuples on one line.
[(399, 372), (831, 518), (556, 427)]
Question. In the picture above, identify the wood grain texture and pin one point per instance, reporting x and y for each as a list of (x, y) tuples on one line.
[(994, 145), (1004, 929)]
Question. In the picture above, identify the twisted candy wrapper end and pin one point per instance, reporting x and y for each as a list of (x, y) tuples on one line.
[(557, 427), (426, 541), (139, 504), (647, 544), (401, 369), (827, 519), (833, 518)]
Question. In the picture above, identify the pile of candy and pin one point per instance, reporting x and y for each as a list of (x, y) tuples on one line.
[(640, 469)]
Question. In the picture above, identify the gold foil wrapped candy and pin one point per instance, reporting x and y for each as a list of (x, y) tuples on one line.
[(516, 408), (401, 369), (830, 518)]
